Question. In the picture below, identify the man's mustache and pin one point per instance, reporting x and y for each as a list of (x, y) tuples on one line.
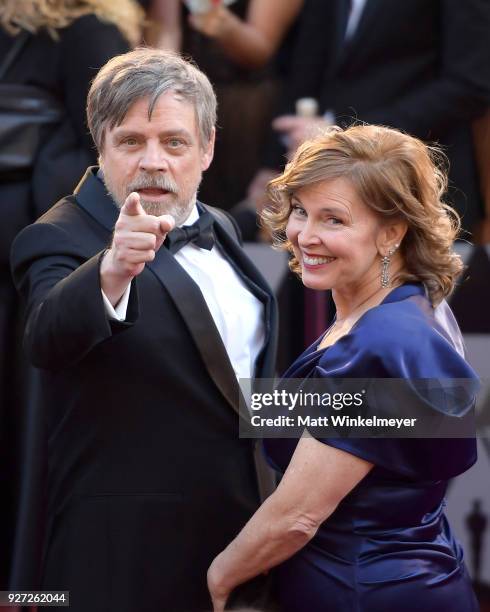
[(149, 181)]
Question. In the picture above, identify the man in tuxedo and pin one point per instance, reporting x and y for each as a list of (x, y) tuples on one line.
[(420, 66), (142, 313)]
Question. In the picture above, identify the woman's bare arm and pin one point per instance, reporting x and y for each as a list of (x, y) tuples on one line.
[(250, 43), (317, 479), (166, 24)]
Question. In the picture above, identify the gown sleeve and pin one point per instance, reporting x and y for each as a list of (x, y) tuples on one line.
[(399, 342)]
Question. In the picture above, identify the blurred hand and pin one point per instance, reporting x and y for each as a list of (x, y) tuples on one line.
[(298, 129), (257, 190), (214, 23), (137, 238)]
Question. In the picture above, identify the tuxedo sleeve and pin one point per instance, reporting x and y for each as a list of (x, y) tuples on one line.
[(65, 313)]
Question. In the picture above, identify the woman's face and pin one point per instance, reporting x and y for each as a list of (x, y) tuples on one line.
[(334, 236)]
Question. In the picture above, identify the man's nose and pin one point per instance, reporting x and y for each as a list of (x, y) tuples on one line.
[(153, 158)]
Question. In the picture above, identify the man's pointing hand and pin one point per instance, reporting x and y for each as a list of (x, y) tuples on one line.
[(137, 238)]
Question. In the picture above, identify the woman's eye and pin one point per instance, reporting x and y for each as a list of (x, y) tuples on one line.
[(298, 210), (130, 141), (334, 221)]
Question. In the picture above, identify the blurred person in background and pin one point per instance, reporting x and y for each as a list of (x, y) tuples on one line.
[(61, 45), (481, 132), (471, 302), (235, 46), (421, 66)]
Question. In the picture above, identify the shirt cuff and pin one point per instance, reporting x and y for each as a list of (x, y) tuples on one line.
[(117, 313)]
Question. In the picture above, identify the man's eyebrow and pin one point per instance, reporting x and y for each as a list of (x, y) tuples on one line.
[(121, 132)]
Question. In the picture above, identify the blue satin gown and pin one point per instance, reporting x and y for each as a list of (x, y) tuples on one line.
[(388, 546)]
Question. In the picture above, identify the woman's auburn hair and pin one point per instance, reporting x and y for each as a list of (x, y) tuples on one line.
[(52, 15), (396, 176)]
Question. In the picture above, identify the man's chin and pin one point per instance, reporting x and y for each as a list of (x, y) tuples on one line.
[(157, 207), (179, 211)]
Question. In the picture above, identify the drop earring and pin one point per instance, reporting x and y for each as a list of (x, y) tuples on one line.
[(385, 267)]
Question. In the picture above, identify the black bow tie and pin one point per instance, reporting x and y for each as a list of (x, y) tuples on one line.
[(200, 233)]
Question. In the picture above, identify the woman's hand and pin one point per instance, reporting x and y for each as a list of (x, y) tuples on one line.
[(249, 42), (218, 591), (214, 23), (297, 129)]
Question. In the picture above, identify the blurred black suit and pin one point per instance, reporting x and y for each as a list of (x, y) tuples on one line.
[(422, 66)]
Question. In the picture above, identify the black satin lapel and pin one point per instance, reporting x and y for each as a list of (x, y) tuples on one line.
[(373, 9), (92, 196), (341, 8), (190, 303)]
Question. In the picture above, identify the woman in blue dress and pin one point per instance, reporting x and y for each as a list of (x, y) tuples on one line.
[(358, 524)]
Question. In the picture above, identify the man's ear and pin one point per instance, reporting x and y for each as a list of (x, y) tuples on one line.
[(391, 234), (208, 152), (101, 147)]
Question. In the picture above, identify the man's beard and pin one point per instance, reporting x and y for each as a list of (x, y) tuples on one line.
[(179, 205)]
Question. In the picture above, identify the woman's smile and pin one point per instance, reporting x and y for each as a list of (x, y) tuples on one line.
[(314, 262)]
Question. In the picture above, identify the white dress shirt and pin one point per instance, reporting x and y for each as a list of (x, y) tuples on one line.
[(354, 17), (237, 313)]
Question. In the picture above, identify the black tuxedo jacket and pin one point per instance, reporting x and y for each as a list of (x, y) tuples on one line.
[(421, 66), (147, 477)]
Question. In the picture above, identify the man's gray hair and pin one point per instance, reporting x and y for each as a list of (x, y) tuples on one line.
[(147, 73)]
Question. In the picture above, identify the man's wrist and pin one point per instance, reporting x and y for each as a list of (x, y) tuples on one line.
[(112, 282)]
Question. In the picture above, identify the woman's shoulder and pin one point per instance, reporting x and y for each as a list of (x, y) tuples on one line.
[(406, 318), (401, 323), (406, 338)]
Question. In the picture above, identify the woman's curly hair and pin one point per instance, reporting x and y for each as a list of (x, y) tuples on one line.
[(52, 15), (395, 175)]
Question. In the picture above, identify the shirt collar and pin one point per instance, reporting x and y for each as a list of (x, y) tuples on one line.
[(193, 216)]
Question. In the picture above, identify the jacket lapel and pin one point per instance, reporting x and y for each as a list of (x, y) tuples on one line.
[(365, 28), (92, 196), (190, 303), (341, 17), (335, 13)]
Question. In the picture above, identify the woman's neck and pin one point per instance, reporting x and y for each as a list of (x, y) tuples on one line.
[(350, 304), (350, 299)]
